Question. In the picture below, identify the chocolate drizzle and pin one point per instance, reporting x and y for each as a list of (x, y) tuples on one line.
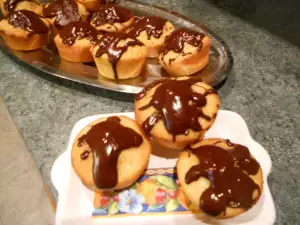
[(109, 44), (107, 140), (177, 105), (175, 42), (78, 30), (228, 172), (110, 14), (65, 11), (10, 5), (153, 25), (28, 21)]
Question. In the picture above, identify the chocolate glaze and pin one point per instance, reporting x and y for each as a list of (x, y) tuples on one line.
[(111, 14), (10, 5), (78, 30), (107, 140), (65, 11), (177, 105), (153, 25), (228, 172), (108, 44), (175, 42), (85, 154), (28, 21)]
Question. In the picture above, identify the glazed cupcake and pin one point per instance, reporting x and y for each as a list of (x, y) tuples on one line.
[(24, 30), (185, 52), (118, 56), (15, 5), (112, 18), (62, 12), (152, 32), (110, 153), (75, 40), (176, 111), (222, 178)]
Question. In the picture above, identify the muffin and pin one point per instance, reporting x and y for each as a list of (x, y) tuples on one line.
[(152, 32), (185, 52), (110, 153), (24, 30), (118, 56), (176, 111), (14, 5), (75, 40), (112, 18), (62, 12), (222, 178)]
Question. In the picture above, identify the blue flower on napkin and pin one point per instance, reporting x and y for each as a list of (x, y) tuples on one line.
[(130, 201)]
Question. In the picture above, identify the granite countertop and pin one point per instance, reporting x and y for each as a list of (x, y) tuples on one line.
[(263, 88)]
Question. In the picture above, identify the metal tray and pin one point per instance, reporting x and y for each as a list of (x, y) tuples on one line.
[(47, 60)]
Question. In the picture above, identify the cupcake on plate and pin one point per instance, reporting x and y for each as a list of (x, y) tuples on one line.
[(75, 40), (222, 178), (14, 5), (62, 12), (176, 111), (119, 56), (185, 52), (152, 32), (112, 18), (110, 153), (24, 30)]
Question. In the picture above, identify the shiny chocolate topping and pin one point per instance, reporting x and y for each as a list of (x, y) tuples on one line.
[(177, 105), (111, 14), (78, 30), (175, 42), (65, 11), (153, 25), (10, 5), (28, 21), (108, 44), (107, 140), (228, 172)]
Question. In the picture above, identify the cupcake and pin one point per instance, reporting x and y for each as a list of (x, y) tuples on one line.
[(14, 5), (24, 30), (176, 111), (152, 32), (118, 56), (75, 40), (112, 18), (185, 52), (222, 178), (62, 12), (110, 153)]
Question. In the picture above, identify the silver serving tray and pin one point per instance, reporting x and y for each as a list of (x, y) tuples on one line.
[(47, 60)]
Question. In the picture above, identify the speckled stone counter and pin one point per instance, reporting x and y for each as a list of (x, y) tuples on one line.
[(263, 88)]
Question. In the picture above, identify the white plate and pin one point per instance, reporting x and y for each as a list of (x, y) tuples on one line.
[(75, 202)]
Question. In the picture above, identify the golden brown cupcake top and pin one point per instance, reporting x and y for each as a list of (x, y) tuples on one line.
[(176, 41), (77, 30), (107, 140), (176, 104), (64, 11), (153, 25), (110, 14), (228, 172), (28, 21), (10, 5)]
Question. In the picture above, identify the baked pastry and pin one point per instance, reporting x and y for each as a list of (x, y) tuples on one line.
[(110, 153), (24, 30), (152, 32), (75, 40), (118, 56), (92, 5), (112, 18), (176, 111), (222, 178), (14, 5), (62, 12), (185, 52)]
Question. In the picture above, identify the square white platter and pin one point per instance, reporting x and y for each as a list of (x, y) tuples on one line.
[(75, 201)]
